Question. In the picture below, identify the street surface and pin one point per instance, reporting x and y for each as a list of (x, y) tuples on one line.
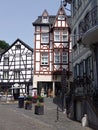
[(14, 118)]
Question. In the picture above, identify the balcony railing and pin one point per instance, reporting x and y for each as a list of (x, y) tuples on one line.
[(90, 20)]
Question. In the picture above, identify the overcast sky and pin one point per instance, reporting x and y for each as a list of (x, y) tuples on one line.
[(16, 17)]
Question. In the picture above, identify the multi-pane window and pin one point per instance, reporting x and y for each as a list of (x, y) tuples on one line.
[(45, 19), (17, 74), (64, 57), (57, 35), (76, 71), (81, 69), (61, 35), (89, 63), (5, 74), (6, 60), (44, 59), (44, 38), (64, 35), (57, 58), (61, 17)]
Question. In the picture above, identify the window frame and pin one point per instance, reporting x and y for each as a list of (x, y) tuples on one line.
[(17, 74), (45, 38), (6, 75), (44, 58), (6, 61), (57, 58), (64, 34), (56, 35), (64, 57)]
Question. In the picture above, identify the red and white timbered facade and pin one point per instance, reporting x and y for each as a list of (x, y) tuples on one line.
[(51, 51)]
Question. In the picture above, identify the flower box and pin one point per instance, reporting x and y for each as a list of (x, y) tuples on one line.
[(39, 109), (28, 105)]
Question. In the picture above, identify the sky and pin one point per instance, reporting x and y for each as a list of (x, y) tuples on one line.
[(17, 16)]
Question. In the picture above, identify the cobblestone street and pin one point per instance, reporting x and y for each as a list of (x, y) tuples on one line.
[(14, 118)]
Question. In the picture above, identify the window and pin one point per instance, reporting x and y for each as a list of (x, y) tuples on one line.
[(61, 17), (6, 60), (45, 38), (61, 35), (57, 36), (64, 57), (74, 7), (81, 69), (6, 75), (44, 59), (74, 38), (93, 15), (75, 72), (57, 58), (64, 35), (81, 28), (16, 74), (18, 47), (79, 3), (45, 19), (89, 66), (87, 21)]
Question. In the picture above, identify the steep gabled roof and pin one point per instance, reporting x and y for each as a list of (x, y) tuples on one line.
[(38, 21), (52, 18), (27, 46), (67, 18), (45, 13)]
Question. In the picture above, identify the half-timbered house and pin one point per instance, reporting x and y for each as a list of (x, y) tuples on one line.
[(16, 69), (51, 51)]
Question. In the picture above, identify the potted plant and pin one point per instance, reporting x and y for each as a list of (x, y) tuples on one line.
[(28, 102), (41, 99), (39, 109)]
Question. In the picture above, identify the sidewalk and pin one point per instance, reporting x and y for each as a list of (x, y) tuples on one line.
[(48, 121)]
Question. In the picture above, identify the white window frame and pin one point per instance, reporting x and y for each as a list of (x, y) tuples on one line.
[(57, 35), (65, 35), (45, 38), (45, 19), (57, 57), (17, 74), (44, 59), (65, 57), (5, 74)]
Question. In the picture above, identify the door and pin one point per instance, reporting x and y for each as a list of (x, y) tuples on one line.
[(16, 93)]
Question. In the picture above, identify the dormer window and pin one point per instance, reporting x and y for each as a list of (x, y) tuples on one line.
[(45, 19)]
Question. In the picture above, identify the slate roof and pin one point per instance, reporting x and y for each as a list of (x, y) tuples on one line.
[(38, 21)]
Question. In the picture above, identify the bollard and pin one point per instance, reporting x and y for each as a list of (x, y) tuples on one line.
[(57, 113)]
